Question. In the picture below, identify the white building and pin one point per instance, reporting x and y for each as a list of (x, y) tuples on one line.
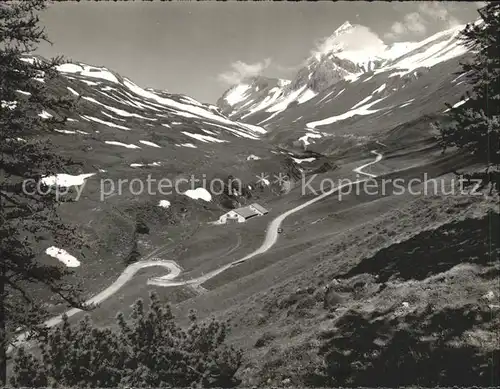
[(241, 215)]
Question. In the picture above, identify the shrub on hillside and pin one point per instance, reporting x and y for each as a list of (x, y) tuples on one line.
[(141, 227), (148, 350), (134, 254)]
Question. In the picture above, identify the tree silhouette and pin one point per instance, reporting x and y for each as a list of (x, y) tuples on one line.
[(474, 126), (27, 210)]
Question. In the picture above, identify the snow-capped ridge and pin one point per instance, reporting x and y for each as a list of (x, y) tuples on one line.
[(337, 60)]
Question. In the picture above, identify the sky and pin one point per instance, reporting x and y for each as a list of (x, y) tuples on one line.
[(200, 49)]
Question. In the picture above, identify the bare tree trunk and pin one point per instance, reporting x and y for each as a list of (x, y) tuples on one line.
[(3, 334)]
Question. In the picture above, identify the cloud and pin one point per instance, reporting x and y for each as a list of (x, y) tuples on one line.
[(241, 70), (426, 16), (356, 38)]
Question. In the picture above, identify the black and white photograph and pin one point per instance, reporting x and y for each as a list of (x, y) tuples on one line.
[(249, 194)]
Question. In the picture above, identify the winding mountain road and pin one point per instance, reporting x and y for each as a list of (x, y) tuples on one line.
[(271, 234), (167, 280)]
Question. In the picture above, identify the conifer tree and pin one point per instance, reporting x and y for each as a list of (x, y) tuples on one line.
[(28, 211), (474, 126), (148, 350)]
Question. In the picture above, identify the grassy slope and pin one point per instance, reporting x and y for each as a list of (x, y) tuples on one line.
[(276, 301)]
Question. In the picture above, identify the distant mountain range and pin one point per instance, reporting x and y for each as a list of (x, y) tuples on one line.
[(262, 100)]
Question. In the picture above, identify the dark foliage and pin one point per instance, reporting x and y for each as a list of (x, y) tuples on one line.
[(474, 127), (28, 210), (148, 350)]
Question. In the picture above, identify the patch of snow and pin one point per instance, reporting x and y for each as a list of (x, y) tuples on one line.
[(297, 160), (363, 110), (283, 104), (398, 49), (190, 145), (112, 117), (164, 203), (362, 102), (148, 143), (406, 103), (73, 91), (109, 124), (148, 164), (326, 96), (380, 89), (209, 132), (236, 132), (369, 78), (305, 138), (45, 115), (252, 157), (252, 127), (270, 117), (120, 112), (23, 92), (204, 138), (30, 60), (192, 101), (397, 74), (459, 76), (173, 104), (91, 83), (338, 94), (64, 131), (461, 102), (186, 114), (39, 79), (236, 94), (66, 180), (199, 193), (130, 146), (269, 100), (307, 95), (88, 71), (353, 77), (249, 102), (69, 68), (63, 256), (437, 48)]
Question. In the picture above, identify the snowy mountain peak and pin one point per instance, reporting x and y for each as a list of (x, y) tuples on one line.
[(344, 28), (342, 57)]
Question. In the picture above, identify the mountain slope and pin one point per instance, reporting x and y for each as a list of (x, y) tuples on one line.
[(338, 67), (146, 157), (335, 300)]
